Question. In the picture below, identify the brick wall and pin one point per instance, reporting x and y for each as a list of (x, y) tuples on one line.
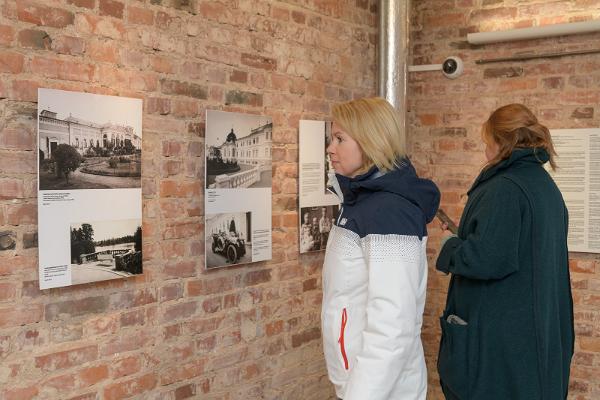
[(445, 118), (178, 331)]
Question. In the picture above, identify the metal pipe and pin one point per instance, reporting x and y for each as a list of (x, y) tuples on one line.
[(536, 32), (393, 53), (526, 57)]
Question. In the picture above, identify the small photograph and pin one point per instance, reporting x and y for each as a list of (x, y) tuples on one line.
[(316, 223), (88, 141), (228, 239), (239, 149), (326, 160), (105, 250)]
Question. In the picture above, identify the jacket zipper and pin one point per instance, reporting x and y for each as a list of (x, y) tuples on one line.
[(341, 339)]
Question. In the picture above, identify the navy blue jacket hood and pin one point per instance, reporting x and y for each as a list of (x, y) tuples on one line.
[(402, 181)]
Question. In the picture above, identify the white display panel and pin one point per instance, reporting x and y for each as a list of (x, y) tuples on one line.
[(318, 206), (238, 188), (89, 187), (578, 178)]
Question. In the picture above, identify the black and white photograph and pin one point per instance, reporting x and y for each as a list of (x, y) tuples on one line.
[(104, 250), (88, 141), (228, 239), (315, 227), (326, 160), (239, 149)]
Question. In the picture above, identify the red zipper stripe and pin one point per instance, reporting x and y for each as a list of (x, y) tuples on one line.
[(341, 339)]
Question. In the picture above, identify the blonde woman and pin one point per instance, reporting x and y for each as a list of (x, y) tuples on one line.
[(375, 270), (507, 329)]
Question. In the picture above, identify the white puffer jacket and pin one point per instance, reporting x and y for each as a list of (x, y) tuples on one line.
[(374, 284)]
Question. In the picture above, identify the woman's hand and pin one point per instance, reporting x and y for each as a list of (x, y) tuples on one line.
[(446, 234)]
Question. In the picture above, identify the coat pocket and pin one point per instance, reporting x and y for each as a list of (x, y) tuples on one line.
[(341, 341), (453, 358)]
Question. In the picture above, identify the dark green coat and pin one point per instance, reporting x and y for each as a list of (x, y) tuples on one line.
[(510, 283)]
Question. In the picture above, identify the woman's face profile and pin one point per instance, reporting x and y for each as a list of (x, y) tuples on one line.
[(344, 152)]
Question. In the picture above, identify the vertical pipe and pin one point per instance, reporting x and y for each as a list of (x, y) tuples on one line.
[(393, 53)]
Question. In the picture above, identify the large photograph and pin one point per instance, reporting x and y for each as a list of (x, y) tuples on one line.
[(104, 250), (87, 141), (228, 239), (238, 151), (316, 225)]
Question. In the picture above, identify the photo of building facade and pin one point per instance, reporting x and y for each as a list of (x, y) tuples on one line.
[(81, 134), (243, 158)]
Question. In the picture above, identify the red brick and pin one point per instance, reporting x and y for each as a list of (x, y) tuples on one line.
[(162, 64), (156, 105), (101, 26), (185, 392), (62, 69), (490, 14), (121, 344), (298, 17), (8, 291), (36, 13), (91, 376), (241, 97), (35, 39), (103, 51), (257, 277), (140, 15), (442, 19), (305, 337), (69, 45), (172, 148), (75, 308), (21, 214), (170, 86), (179, 311), (238, 76), (130, 388), (132, 318), (256, 61), (87, 396), (11, 188), (274, 328), (179, 230), (83, 3), (19, 137), (7, 35), (182, 372), (23, 393), (171, 291), (111, 8), (125, 367), (134, 298), (24, 90), (66, 359), (11, 62)]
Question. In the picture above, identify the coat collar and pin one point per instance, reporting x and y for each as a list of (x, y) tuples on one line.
[(536, 155)]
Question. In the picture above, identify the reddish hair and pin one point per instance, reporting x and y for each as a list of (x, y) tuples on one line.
[(515, 126)]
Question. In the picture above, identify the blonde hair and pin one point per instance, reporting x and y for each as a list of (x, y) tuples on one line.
[(375, 125), (515, 126)]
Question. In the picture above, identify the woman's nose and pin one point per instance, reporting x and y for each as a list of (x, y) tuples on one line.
[(329, 149)]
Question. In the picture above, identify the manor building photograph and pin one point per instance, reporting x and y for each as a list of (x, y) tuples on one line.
[(81, 134), (253, 149)]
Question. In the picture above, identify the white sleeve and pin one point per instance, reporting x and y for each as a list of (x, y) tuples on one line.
[(392, 316)]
